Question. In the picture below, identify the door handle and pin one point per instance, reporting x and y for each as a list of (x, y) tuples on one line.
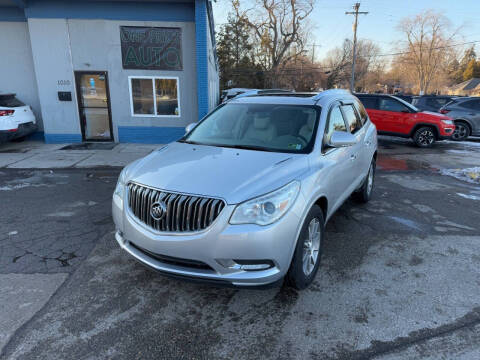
[(353, 157), (368, 143)]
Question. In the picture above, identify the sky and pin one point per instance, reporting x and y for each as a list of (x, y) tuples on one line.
[(331, 26)]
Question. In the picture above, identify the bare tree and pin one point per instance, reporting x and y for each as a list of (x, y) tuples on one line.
[(426, 46), (277, 25), (368, 66)]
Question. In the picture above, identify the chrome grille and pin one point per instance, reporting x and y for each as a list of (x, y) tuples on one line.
[(183, 212)]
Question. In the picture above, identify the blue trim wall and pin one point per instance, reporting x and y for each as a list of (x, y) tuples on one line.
[(149, 135), (201, 28), (12, 14), (62, 138), (110, 10)]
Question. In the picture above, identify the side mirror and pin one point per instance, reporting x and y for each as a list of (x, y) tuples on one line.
[(190, 127), (342, 139)]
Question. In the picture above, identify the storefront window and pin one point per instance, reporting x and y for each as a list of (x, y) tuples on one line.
[(142, 96), (144, 90)]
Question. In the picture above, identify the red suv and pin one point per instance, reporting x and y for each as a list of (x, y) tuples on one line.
[(393, 116)]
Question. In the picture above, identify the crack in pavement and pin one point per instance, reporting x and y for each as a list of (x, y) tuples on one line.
[(379, 348)]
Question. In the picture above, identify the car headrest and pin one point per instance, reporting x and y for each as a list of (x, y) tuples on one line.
[(310, 121), (261, 123)]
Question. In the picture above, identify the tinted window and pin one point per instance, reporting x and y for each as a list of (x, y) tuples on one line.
[(10, 101), (362, 112), (471, 104), (389, 104), (437, 102), (369, 102), (351, 118)]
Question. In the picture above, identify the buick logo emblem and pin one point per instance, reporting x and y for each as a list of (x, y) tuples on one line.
[(158, 210)]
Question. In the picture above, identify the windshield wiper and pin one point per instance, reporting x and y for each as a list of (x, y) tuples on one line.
[(247, 147), (189, 142)]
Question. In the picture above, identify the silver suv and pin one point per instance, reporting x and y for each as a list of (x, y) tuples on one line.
[(244, 196)]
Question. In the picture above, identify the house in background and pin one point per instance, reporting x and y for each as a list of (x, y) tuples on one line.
[(123, 71), (467, 88)]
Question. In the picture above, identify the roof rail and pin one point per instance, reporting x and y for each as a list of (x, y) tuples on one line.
[(331, 92)]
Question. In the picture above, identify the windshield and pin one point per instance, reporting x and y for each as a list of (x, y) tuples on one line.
[(267, 127), (407, 104)]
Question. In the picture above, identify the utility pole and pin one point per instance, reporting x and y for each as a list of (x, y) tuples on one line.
[(356, 12), (313, 51)]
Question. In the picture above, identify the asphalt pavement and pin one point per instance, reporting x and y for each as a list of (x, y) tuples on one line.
[(400, 276)]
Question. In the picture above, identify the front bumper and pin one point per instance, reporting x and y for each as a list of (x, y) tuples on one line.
[(215, 247), (446, 132)]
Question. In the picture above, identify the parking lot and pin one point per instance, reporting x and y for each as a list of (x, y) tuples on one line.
[(400, 276)]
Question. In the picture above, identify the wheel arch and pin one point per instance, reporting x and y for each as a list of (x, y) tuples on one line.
[(470, 127), (322, 202)]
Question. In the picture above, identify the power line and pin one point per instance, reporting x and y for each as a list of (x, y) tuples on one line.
[(435, 48)]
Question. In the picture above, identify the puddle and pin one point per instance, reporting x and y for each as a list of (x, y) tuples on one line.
[(388, 163), (90, 146)]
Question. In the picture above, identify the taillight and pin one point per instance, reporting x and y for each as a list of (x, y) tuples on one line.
[(444, 111), (6, 112)]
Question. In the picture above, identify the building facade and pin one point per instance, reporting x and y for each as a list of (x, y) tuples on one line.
[(123, 71)]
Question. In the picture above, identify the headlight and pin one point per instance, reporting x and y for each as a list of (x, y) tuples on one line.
[(268, 208), (120, 188), (448, 122)]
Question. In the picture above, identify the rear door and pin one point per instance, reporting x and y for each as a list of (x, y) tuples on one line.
[(395, 116), (355, 127)]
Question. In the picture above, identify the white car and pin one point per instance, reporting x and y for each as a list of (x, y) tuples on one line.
[(16, 119)]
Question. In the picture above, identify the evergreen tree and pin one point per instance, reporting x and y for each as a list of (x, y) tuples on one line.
[(472, 70)]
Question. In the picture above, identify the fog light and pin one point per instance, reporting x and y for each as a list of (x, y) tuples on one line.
[(246, 265)]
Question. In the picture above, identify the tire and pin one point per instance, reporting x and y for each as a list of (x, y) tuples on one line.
[(364, 194), (461, 132), (424, 137), (302, 273)]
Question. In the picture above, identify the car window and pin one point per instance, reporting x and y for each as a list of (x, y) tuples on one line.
[(351, 118), (362, 112), (369, 102), (335, 123), (471, 104), (437, 102), (10, 101), (389, 104)]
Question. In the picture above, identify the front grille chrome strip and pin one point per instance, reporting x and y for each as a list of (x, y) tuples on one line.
[(184, 213)]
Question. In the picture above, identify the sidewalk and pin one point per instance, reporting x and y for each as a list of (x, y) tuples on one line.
[(38, 155)]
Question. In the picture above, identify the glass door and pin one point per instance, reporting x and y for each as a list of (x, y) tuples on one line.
[(94, 105)]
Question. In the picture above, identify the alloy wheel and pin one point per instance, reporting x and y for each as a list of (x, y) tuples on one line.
[(311, 247), (370, 180), (460, 132), (427, 137)]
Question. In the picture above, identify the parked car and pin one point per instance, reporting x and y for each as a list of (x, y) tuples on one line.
[(396, 117), (407, 98), (431, 102), (465, 112), (244, 196), (16, 119)]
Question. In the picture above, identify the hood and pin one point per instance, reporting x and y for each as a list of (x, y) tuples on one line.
[(235, 175), (433, 115)]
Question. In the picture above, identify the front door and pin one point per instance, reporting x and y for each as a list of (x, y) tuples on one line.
[(94, 105)]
